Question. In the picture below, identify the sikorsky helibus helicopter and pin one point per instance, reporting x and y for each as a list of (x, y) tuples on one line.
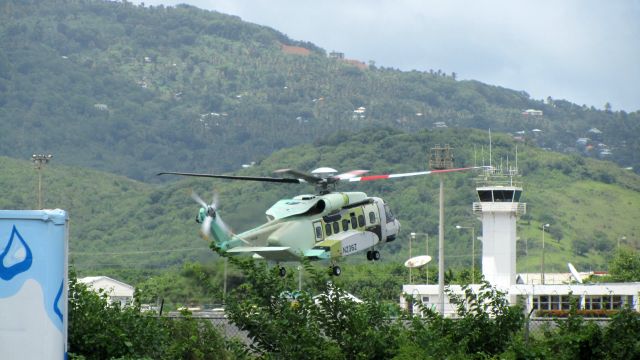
[(325, 226)]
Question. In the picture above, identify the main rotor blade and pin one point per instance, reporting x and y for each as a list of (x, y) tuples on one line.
[(233, 177), (393, 176), (350, 174), (299, 174)]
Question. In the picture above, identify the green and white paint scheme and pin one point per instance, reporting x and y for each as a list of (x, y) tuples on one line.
[(325, 226), (318, 227)]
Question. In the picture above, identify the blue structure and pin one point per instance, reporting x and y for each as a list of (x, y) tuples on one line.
[(33, 284)]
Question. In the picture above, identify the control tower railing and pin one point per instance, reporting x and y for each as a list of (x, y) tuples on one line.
[(515, 207)]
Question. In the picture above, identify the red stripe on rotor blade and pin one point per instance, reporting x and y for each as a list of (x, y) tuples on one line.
[(450, 170)]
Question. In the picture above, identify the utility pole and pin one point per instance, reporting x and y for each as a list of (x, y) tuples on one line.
[(411, 238), (39, 161), (441, 159), (224, 286), (542, 264)]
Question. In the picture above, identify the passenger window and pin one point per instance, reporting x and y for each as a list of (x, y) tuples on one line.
[(361, 220), (327, 229), (318, 228), (336, 227), (345, 225), (372, 217), (354, 222)]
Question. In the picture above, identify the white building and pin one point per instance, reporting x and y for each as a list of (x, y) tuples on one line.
[(597, 296), (498, 209), (532, 112), (116, 291)]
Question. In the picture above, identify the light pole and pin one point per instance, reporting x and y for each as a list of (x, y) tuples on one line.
[(413, 237), (441, 249), (224, 289), (545, 226), (441, 159), (473, 250), (39, 161)]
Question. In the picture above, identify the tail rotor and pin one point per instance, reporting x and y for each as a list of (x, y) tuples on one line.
[(208, 215)]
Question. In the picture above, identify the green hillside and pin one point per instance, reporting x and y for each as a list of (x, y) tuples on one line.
[(115, 223), (133, 90), (128, 227)]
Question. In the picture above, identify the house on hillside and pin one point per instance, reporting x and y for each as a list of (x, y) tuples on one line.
[(336, 55), (295, 50), (117, 291), (532, 112)]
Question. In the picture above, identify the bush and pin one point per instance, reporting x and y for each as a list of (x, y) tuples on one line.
[(485, 327), (98, 330)]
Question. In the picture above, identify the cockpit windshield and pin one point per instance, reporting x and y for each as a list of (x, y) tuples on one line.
[(388, 213)]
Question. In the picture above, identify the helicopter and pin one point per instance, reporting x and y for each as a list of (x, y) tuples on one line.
[(324, 226)]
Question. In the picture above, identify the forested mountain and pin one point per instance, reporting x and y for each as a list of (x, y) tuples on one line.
[(125, 226), (133, 89)]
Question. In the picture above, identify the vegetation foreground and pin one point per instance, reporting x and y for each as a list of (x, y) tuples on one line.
[(286, 324)]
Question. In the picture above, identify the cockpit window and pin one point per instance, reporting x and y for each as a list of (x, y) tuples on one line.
[(389, 214)]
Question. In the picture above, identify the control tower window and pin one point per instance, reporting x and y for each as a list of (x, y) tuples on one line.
[(503, 195), (516, 195), (485, 195)]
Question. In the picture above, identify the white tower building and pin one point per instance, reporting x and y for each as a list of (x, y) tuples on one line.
[(498, 209)]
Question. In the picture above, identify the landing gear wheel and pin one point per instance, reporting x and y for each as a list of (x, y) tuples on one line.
[(282, 271), (375, 255), (336, 271), (369, 255)]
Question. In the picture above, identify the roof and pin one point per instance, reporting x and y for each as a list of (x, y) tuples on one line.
[(112, 286), (295, 50), (549, 278)]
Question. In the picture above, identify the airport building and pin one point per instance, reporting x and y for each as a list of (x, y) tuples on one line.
[(498, 208)]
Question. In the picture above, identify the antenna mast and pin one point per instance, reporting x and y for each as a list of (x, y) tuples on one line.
[(490, 147)]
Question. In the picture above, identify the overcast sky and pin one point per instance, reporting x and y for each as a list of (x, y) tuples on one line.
[(584, 51)]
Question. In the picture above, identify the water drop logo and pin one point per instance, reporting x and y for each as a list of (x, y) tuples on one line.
[(16, 256), (57, 302)]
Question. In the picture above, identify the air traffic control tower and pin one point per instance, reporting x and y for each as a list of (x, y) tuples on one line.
[(498, 209)]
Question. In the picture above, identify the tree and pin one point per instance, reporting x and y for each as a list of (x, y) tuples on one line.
[(485, 327), (99, 330), (625, 266), (290, 324)]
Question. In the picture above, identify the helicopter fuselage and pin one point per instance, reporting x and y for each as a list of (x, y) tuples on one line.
[(320, 227)]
